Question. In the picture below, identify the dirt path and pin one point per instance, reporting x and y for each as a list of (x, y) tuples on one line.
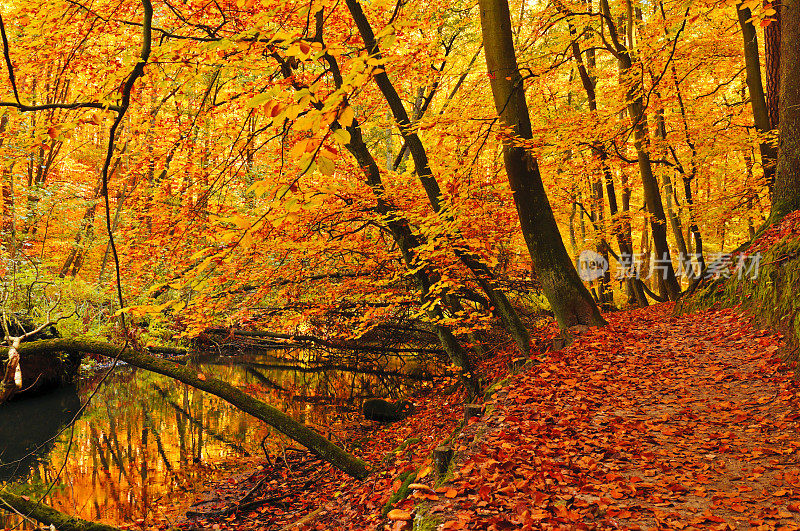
[(653, 422)]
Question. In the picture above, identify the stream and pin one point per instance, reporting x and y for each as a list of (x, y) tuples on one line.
[(145, 445)]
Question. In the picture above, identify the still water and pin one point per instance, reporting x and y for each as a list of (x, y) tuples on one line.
[(144, 445)]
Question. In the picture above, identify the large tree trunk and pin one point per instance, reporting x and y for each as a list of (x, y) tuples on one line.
[(315, 442), (571, 302), (786, 193)]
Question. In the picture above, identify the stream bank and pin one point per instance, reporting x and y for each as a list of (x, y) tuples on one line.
[(146, 443), (654, 422)]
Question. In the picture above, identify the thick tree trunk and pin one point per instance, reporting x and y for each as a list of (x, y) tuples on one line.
[(786, 193), (274, 417), (758, 101), (49, 516), (571, 302)]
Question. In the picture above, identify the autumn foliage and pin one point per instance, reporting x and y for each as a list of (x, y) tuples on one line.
[(233, 198)]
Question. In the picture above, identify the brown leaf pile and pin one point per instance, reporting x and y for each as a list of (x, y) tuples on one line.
[(654, 422)]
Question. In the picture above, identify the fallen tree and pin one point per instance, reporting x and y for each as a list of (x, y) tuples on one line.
[(47, 515), (296, 431)]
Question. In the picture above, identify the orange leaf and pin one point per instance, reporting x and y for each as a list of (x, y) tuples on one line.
[(399, 514)]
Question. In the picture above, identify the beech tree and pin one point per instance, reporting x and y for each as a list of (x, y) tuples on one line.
[(786, 193), (755, 88), (571, 302)]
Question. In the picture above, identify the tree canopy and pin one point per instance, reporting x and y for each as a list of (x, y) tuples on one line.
[(329, 165)]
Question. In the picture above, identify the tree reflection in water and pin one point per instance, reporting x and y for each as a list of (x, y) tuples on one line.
[(29, 429), (146, 444)]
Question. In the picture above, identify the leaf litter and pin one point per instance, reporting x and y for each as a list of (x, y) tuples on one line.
[(653, 422)]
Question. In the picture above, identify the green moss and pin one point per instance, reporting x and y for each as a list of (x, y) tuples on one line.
[(424, 521), (772, 297), (402, 447), (407, 478), (448, 475)]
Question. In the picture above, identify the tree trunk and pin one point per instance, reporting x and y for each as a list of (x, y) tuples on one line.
[(571, 302), (586, 72), (399, 227), (652, 195), (694, 230), (49, 516), (786, 194), (757, 99), (483, 274), (674, 219), (772, 64), (315, 442)]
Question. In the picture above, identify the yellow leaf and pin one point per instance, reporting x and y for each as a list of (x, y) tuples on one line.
[(258, 99), (342, 136), (346, 116), (299, 148), (325, 165)]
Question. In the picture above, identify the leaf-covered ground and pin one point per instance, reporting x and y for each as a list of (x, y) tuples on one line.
[(655, 421)]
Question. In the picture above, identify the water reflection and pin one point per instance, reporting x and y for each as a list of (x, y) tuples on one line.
[(29, 429), (145, 443)]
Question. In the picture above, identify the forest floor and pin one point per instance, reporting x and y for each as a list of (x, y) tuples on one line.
[(654, 422)]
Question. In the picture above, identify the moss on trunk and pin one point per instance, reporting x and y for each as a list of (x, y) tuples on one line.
[(49, 516)]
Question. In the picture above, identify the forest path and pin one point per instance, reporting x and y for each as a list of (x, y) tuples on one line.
[(655, 421)]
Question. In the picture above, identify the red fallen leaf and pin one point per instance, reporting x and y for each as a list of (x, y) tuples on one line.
[(677, 487), (450, 493), (420, 486), (201, 376), (795, 507), (454, 524)]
